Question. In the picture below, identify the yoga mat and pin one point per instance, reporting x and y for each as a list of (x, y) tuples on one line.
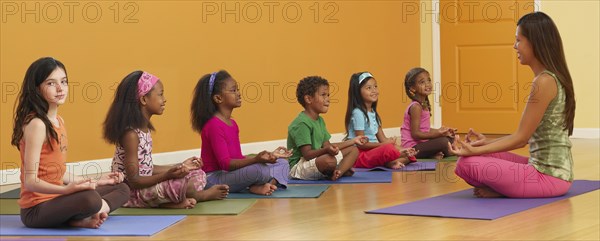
[(304, 191), (220, 207), (9, 206), (463, 204), (358, 177), (445, 159), (12, 194), (414, 166), (113, 226)]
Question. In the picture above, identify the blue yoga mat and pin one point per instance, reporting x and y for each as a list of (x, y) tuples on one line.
[(304, 191), (358, 177), (113, 226), (463, 204), (415, 166)]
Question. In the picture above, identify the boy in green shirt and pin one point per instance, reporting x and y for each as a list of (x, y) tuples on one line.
[(314, 157)]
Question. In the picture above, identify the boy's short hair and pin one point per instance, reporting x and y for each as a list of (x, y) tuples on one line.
[(309, 86)]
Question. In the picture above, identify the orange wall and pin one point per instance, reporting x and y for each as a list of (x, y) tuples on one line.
[(179, 42)]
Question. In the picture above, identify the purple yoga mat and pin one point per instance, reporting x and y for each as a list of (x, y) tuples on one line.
[(113, 226), (463, 204), (415, 166)]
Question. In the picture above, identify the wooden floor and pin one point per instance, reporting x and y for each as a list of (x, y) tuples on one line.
[(339, 213)]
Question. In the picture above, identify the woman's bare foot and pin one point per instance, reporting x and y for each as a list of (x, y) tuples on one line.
[(486, 192), (93, 221), (187, 204), (395, 164), (263, 189), (216, 192)]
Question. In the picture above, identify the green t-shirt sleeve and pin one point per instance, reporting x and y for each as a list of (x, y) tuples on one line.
[(300, 134)]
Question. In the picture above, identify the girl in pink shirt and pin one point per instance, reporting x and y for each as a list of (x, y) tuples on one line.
[(215, 97), (416, 131)]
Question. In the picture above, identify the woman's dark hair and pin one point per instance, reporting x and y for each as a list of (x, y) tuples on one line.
[(547, 46), (355, 100), (31, 103), (410, 80), (203, 106), (125, 112)]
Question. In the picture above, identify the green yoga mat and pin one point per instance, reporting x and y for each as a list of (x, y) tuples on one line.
[(445, 159), (9, 206), (220, 207)]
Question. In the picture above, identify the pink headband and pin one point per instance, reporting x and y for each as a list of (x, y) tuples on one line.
[(145, 84)]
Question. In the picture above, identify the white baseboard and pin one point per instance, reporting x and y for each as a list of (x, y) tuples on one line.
[(93, 168), (586, 133)]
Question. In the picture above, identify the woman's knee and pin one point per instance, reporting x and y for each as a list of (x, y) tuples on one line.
[(463, 164)]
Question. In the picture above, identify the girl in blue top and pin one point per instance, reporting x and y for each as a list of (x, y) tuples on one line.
[(362, 119)]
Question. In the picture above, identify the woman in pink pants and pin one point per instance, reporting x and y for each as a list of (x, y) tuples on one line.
[(546, 124)]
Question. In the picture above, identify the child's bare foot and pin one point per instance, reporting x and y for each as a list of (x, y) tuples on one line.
[(93, 221), (336, 175), (263, 189), (187, 204), (439, 156), (395, 164), (486, 192), (216, 192)]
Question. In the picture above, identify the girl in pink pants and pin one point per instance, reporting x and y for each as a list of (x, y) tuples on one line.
[(546, 124)]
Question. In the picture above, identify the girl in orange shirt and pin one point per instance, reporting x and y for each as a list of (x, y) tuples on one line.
[(50, 196)]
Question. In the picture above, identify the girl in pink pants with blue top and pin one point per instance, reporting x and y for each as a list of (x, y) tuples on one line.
[(546, 124)]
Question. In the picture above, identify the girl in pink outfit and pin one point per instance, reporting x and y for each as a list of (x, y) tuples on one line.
[(140, 96), (546, 124), (215, 97), (416, 131)]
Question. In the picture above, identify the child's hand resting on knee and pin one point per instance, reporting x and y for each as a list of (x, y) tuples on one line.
[(80, 185), (445, 131), (177, 171), (333, 150), (111, 179), (193, 163), (360, 140), (265, 157), (282, 152)]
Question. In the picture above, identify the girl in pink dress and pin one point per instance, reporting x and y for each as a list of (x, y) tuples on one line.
[(140, 96)]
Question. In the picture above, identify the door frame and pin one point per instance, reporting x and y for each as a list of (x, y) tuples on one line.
[(437, 61)]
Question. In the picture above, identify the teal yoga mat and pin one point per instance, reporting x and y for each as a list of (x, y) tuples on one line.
[(304, 191)]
